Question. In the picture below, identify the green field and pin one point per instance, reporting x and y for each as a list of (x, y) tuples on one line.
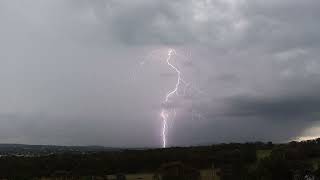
[(261, 154)]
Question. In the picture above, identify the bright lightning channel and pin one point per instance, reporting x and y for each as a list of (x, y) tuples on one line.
[(167, 110), (164, 112)]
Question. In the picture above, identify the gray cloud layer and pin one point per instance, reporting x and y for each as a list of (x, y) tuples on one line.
[(71, 72)]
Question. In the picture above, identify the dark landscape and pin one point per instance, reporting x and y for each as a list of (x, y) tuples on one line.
[(247, 161)]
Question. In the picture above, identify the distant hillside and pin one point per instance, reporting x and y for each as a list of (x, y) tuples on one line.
[(233, 161), (31, 150)]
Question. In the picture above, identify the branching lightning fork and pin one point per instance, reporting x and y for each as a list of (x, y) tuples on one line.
[(168, 112), (164, 112)]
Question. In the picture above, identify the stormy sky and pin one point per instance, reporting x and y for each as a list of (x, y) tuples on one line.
[(93, 72)]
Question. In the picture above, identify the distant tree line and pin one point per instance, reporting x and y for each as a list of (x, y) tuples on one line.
[(292, 161)]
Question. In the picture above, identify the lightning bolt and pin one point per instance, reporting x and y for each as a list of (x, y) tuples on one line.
[(164, 112), (169, 112)]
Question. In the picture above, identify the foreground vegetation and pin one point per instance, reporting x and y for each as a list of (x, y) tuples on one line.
[(250, 161)]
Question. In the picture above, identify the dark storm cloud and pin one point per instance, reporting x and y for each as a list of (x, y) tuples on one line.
[(286, 108), (166, 22), (228, 78), (70, 70), (282, 25)]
